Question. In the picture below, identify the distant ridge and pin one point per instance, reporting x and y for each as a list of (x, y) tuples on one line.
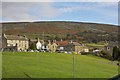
[(59, 21), (55, 27)]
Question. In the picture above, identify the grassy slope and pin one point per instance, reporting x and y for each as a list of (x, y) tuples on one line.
[(46, 65), (93, 44)]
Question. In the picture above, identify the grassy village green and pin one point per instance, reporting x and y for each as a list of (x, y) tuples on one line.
[(55, 65)]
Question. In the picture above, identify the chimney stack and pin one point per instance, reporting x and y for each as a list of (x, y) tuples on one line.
[(54, 41), (71, 41), (38, 40)]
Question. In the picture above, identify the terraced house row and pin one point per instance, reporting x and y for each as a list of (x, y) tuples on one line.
[(15, 43), (22, 43)]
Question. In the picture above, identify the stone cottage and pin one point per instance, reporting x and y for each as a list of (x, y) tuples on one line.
[(109, 46), (15, 43), (52, 46), (76, 47)]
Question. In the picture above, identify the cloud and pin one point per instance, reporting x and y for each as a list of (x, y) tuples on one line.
[(69, 9), (47, 10), (20, 11), (0, 9), (104, 8), (95, 7), (27, 0), (16, 11), (106, 4), (60, 0)]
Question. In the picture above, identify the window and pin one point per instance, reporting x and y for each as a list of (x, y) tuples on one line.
[(108, 48), (8, 44), (25, 46)]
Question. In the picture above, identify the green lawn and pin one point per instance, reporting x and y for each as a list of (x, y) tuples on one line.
[(54, 65), (95, 45)]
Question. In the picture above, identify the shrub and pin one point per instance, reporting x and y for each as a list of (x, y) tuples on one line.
[(84, 53), (32, 46), (106, 55)]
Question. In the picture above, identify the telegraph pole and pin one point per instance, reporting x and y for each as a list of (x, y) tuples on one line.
[(73, 65), (73, 59)]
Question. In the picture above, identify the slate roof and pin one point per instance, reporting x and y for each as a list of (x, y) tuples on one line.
[(62, 42), (76, 44), (13, 37), (68, 43), (112, 44)]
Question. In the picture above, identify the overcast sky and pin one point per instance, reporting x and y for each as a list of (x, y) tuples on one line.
[(96, 12)]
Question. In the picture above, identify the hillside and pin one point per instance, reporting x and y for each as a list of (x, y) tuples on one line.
[(55, 27), (50, 30)]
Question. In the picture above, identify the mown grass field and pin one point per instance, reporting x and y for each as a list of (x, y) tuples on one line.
[(54, 65)]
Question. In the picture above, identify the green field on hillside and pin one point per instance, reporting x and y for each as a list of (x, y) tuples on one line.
[(95, 45), (55, 65)]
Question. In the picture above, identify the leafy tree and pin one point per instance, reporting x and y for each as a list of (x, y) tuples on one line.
[(32, 46), (105, 55), (115, 53), (57, 37)]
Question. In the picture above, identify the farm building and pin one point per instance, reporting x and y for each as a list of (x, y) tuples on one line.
[(14, 43), (61, 45), (70, 46), (76, 47)]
